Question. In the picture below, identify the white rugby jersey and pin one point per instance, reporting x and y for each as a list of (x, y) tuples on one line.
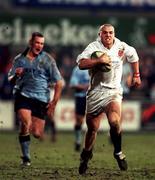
[(119, 52)]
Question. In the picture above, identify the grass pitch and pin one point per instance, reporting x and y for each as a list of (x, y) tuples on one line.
[(59, 161)]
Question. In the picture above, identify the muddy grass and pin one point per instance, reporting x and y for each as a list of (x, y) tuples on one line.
[(15, 172), (59, 161)]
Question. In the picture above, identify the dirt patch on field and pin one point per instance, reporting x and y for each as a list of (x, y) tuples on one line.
[(10, 172)]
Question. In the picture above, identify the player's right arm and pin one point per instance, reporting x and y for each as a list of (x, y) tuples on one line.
[(88, 63), (15, 71), (85, 61)]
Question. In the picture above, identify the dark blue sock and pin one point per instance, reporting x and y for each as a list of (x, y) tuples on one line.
[(24, 141), (78, 134)]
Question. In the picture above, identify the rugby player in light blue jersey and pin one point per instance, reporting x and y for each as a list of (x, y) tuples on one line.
[(32, 73), (79, 82)]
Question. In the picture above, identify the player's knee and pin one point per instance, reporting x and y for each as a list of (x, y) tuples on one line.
[(25, 128), (26, 124), (115, 124), (114, 119), (37, 134)]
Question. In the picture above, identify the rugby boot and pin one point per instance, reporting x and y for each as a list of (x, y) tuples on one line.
[(84, 158), (121, 160), (25, 161)]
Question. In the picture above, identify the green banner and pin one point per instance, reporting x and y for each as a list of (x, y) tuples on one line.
[(76, 31)]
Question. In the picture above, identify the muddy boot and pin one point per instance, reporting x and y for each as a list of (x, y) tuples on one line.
[(84, 158)]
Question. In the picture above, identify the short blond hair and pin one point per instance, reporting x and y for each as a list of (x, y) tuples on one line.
[(104, 25)]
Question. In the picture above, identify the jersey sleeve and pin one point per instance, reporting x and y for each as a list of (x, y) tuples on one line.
[(54, 71), (131, 53), (74, 78), (87, 52)]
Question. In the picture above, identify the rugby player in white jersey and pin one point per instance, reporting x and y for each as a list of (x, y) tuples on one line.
[(105, 91)]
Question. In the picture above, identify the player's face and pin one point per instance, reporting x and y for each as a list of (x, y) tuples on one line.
[(37, 45), (107, 36)]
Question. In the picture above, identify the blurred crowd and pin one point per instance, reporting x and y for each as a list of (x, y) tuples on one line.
[(66, 60), (147, 66)]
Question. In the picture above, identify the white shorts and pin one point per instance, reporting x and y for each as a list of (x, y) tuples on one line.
[(98, 100)]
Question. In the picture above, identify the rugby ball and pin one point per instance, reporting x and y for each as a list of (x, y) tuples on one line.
[(101, 67)]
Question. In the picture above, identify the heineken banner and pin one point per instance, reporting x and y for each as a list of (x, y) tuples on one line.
[(75, 31)]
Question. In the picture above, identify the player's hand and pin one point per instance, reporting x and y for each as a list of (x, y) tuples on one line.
[(19, 71), (136, 81), (51, 108), (105, 59)]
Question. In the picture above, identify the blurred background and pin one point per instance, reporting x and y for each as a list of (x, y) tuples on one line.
[(68, 26)]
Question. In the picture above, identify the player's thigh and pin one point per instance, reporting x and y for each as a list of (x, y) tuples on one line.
[(113, 112), (24, 116), (37, 127), (93, 122), (80, 105), (23, 108)]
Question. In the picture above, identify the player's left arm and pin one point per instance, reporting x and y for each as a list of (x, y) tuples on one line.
[(56, 96), (136, 80), (133, 59), (58, 82)]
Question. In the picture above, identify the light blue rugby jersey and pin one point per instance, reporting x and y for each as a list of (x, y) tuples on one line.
[(79, 77), (38, 75)]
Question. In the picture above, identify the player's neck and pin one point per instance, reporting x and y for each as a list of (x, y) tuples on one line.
[(108, 46), (30, 55)]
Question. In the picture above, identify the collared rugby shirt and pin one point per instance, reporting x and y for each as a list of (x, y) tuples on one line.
[(119, 52), (38, 75)]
